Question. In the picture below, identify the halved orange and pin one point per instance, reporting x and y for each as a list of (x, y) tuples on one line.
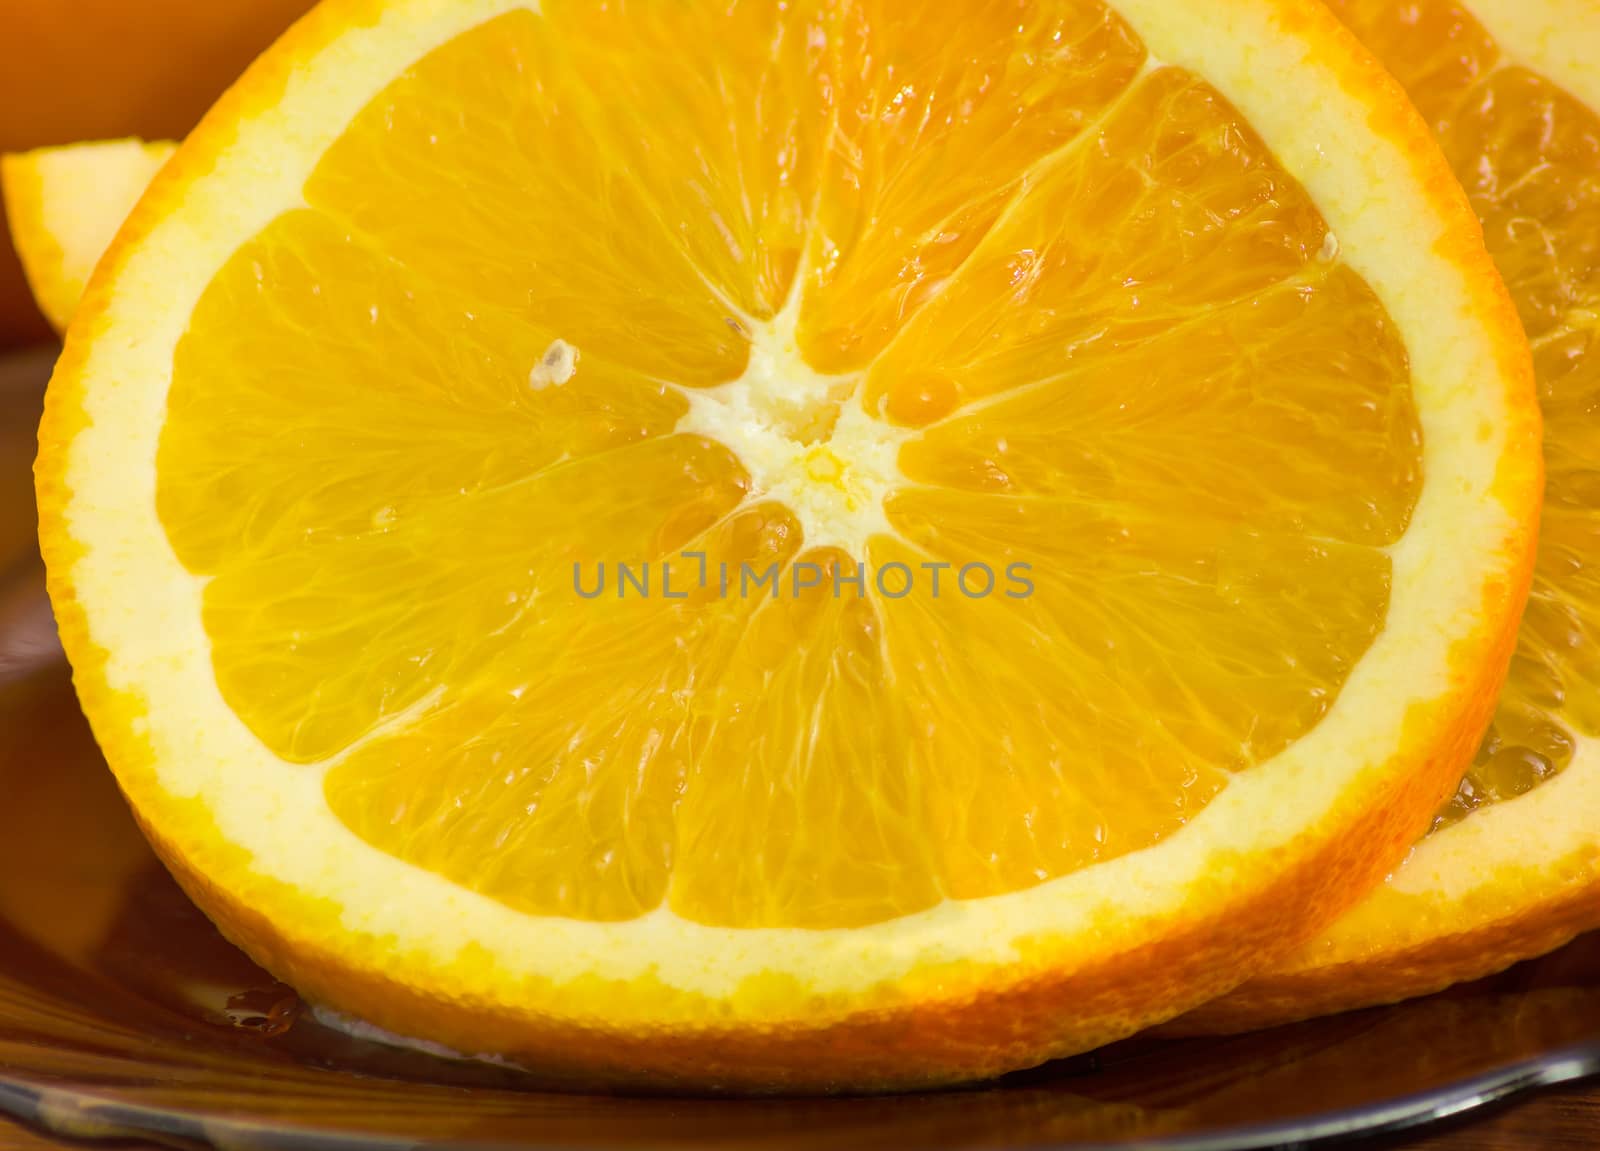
[(65, 204), (1511, 868), (1158, 332)]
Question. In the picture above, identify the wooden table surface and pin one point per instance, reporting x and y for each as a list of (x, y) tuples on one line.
[(1562, 1119), (1559, 1119)]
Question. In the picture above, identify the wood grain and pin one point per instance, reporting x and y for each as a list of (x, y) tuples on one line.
[(1559, 1119), (1562, 1119)]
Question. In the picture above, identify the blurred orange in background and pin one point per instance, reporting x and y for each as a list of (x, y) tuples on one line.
[(97, 69)]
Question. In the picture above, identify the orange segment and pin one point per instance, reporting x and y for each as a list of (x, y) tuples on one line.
[(1206, 624), (1251, 411), (579, 723), (428, 427), (1170, 210), (1511, 868), (1529, 155), (548, 176), (644, 84), (940, 124), (789, 709)]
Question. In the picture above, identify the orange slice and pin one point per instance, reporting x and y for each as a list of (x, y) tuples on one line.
[(1162, 337), (65, 204), (1511, 868)]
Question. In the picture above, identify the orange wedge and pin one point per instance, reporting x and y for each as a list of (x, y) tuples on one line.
[(496, 486), (1511, 868), (65, 204), (107, 69)]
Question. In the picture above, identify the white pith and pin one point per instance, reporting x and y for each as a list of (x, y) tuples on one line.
[(804, 438)]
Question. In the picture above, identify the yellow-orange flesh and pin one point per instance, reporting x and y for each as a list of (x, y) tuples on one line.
[(1528, 154), (983, 287)]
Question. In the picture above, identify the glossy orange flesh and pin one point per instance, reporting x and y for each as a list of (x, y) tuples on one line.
[(1116, 338), (1528, 154)]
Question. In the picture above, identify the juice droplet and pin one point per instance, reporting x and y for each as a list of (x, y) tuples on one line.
[(921, 398), (264, 1010)]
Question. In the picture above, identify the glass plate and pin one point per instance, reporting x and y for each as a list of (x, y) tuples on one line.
[(124, 1014)]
